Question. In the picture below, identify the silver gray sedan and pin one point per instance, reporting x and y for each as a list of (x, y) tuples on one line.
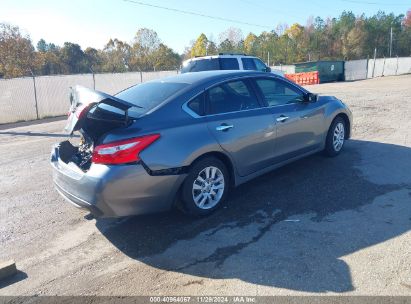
[(184, 141)]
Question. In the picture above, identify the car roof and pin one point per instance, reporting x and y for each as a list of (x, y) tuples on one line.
[(207, 76), (220, 56)]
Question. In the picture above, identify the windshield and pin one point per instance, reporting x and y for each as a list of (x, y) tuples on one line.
[(147, 96)]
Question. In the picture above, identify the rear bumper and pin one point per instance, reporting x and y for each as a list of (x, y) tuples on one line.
[(114, 191)]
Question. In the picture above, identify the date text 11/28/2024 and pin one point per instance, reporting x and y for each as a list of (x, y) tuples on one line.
[(203, 299)]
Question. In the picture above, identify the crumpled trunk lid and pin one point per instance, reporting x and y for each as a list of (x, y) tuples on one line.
[(82, 100), (92, 114)]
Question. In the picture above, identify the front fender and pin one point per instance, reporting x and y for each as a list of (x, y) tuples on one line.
[(335, 107)]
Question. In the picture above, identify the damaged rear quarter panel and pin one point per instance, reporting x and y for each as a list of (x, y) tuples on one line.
[(182, 138), (180, 146)]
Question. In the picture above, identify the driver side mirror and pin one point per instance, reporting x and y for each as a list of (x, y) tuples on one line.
[(267, 69), (310, 97)]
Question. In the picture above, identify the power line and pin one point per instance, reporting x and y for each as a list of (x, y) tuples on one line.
[(196, 14)]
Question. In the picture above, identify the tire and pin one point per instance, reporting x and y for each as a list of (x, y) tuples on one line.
[(200, 195), (335, 137)]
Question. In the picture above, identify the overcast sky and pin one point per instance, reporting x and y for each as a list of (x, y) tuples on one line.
[(93, 23)]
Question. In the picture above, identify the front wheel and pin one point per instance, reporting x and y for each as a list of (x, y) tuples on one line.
[(205, 187), (335, 137)]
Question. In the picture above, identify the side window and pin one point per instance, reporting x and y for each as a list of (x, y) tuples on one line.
[(197, 105), (239, 87), (260, 66), (229, 64), (231, 97), (278, 93), (248, 64)]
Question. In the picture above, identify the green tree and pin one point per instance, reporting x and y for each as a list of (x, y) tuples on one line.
[(226, 46), (49, 62), (212, 48), (94, 59), (73, 59), (403, 38), (298, 51), (200, 46), (146, 43), (166, 59), (251, 44), (116, 56), (16, 52), (354, 41), (48, 59), (231, 41), (344, 37), (42, 46), (378, 29), (407, 19)]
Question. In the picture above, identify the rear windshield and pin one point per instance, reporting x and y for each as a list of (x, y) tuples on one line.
[(147, 96), (201, 65), (210, 64)]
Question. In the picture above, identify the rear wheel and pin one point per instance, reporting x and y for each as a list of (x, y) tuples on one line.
[(335, 137), (205, 187)]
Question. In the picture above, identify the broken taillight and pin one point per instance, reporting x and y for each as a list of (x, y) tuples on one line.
[(122, 152), (81, 111)]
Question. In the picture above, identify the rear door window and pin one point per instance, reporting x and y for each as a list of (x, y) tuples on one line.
[(229, 64), (231, 97), (248, 64)]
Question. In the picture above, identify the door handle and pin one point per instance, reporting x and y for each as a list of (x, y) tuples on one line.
[(224, 127), (282, 118)]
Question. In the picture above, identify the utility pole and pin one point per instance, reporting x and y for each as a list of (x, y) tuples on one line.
[(286, 51), (391, 42), (268, 55)]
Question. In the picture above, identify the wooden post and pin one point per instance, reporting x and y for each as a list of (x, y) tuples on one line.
[(35, 93), (94, 79), (375, 56), (396, 69), (368, 61)]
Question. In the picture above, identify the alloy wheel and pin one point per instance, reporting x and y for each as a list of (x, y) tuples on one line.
[(208, 187), (338, 136)]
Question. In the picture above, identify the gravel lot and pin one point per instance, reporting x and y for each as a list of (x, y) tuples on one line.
[(351, 233)]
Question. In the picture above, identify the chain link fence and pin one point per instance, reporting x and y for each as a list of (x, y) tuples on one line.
[(366, 68), (363, 69), (31, 98), (287, 69), (389, 66)]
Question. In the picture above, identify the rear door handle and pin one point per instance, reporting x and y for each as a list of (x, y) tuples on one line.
[(224, 127), (282, 118)]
